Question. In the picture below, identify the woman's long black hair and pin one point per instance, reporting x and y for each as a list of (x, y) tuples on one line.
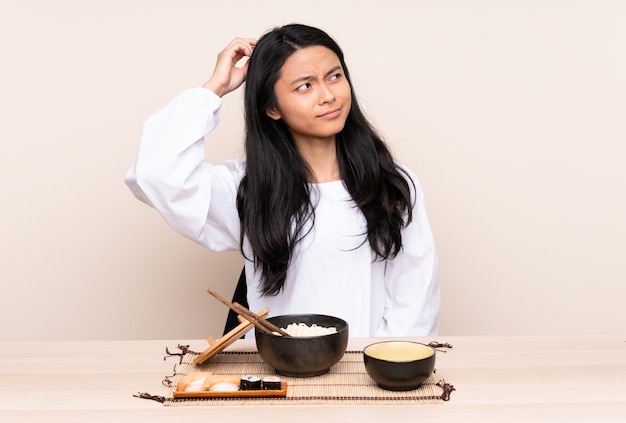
[(274, 196)]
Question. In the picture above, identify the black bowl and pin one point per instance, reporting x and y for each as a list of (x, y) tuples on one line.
[(399, 365), (304, 356)]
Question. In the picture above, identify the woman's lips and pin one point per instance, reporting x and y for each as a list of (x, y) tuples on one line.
[(331, 114)]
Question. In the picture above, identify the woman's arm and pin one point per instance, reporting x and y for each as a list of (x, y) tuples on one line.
[(170, 173), (412, 280)]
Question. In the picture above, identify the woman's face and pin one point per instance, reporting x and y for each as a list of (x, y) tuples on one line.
[(312, 94)]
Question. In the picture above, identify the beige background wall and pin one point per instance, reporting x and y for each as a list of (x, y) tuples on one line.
[(512, 113)]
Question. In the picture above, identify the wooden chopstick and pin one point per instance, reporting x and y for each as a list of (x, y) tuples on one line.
[(250, 315), (253, 318)]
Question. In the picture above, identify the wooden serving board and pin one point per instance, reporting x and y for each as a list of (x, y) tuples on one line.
[(268, 393)]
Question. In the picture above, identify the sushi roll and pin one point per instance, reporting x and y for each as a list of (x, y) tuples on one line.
[(271, 383), (250, 383)]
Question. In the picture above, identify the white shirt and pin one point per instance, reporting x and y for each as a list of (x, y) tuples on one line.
[(333, 270)]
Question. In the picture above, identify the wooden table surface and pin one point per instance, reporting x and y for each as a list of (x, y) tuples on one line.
[(497, 379)]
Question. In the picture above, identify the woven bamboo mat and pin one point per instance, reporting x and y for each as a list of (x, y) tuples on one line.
[(346, 383)]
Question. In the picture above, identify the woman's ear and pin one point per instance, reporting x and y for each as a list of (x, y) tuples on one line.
[(273, 113)]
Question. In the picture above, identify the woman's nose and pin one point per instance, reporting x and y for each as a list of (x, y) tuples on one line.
[(326, 94)]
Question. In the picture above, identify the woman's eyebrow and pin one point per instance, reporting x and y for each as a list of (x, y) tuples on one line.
[(332, 70), (310, 77)]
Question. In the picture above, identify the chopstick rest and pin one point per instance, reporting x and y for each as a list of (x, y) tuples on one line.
[(218, 346)]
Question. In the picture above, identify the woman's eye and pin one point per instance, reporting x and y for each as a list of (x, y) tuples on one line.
[(335, 77), (303, 87)]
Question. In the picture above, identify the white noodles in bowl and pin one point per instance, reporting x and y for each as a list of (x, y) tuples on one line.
[(301, 329)]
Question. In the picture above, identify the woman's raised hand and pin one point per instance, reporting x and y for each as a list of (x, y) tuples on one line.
[(227, 76)]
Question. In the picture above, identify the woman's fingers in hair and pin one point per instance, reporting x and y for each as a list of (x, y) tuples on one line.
[(241, 46), (230, 71)]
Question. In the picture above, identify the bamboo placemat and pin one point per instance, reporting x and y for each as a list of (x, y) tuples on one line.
[(346, 383)]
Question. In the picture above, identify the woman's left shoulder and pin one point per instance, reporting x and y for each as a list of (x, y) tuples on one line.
[(411, 178), (404, 168), (407, 172)]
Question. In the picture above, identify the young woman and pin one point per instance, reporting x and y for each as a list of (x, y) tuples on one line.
[(327, 221)]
